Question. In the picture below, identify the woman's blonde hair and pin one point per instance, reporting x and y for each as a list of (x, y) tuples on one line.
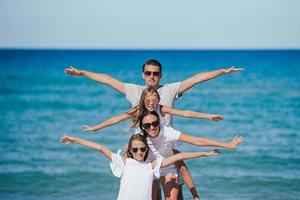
[(141, 108)]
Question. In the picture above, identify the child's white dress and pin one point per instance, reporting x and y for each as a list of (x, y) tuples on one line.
[(136, 177)]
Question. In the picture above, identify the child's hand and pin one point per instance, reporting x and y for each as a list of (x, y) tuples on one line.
[(68, 139), (216, 118), (214, 152), (87, 128), (234, 142)]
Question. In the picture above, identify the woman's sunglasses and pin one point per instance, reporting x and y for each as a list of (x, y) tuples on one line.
[(135, 149), (148, 125), (154, 73)]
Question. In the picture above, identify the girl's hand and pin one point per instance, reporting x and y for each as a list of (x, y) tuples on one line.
[(68, 139), (87, 128), (234, 142), (216, 118), (73, 71), (214, 152)]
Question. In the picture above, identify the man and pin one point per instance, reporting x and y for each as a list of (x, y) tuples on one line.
[(152, 73)]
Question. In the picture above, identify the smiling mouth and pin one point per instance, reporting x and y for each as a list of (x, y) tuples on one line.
[(153, 132)]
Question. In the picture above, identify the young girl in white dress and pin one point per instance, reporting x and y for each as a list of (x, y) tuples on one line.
[(136, 174)]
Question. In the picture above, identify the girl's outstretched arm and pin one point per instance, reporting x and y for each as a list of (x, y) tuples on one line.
[(190, 114), (187, 155), (199, 141), (111, 121), (89, 144)]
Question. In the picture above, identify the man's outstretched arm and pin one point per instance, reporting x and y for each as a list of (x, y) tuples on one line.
[(101, 78), (205, 76)]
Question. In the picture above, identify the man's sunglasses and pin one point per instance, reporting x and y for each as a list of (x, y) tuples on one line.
[(142, 149), (148, 125), (154, 73)]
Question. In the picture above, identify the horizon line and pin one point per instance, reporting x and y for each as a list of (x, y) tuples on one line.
[(149, 49)]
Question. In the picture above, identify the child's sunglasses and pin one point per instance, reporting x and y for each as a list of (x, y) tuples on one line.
[(135, 149)]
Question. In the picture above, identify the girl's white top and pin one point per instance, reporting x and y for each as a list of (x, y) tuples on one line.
[(136, 177)]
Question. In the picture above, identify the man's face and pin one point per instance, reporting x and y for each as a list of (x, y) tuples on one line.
[(154, 128), (151, 75)]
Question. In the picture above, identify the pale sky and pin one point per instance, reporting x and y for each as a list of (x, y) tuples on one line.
[(138, 24)]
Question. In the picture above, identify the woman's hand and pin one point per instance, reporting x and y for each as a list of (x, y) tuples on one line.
[(68, 139), (234, 142)]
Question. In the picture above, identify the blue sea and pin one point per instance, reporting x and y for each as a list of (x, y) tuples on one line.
[(39, 104)]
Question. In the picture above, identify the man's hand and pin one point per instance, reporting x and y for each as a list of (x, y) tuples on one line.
[(73, 71), (232, 70)]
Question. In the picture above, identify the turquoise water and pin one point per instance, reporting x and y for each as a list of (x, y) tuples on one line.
[(39, 103)]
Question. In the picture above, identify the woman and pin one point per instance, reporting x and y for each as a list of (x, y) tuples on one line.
[(149, 101), (132, 168), (162, 138)]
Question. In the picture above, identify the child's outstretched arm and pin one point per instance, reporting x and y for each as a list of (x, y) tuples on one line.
[(199, 141), (89, 144), (111, 121), (187, 155), (190, 114)]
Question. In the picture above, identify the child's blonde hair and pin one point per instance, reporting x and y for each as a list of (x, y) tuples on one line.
[(141, 108)]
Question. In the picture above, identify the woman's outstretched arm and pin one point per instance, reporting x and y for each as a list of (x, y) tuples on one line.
[(111, 121), (187, 155), (86, 143), (199, 141), (190, 114)]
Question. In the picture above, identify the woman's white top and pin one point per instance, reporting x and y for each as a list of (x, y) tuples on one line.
[(163, 145), (136, 177)]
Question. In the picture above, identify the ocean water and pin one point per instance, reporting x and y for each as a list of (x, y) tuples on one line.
[(39, 104)]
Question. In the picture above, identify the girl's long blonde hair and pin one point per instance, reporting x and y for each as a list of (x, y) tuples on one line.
[(141, 108)]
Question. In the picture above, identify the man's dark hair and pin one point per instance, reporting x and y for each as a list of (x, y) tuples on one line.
[(154, 63)]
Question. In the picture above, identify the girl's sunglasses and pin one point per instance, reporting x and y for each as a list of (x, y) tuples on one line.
[(148, 125), (135, 149), (154, 73)]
